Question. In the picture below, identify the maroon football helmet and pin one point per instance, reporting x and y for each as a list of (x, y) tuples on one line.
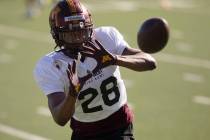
[(70, 23)]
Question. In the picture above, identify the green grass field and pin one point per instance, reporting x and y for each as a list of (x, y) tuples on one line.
[(170, 103)]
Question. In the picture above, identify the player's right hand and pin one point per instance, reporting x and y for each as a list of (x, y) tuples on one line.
[(75, 83), (96, 50)]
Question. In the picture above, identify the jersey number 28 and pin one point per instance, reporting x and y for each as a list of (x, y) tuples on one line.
[(105, 91)]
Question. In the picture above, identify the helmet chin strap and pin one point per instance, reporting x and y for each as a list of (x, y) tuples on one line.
[(73, 46), (73, 53), (72, 50)]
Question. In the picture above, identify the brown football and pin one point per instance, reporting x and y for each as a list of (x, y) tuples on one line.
[(153, 35)]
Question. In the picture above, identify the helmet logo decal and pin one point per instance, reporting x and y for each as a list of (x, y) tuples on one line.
[(72, 5), (106, 58)]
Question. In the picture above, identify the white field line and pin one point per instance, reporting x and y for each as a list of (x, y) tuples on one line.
[(182, 60), (11, 44), (127, 6), (43, 37), (24, 34), (191, 77), (5, 58), (19, 134), (44, 111), (177, 34), (184, 47), (201, 100), (176, 6)]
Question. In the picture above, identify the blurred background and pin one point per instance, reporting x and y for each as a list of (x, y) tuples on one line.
[(170, 103)]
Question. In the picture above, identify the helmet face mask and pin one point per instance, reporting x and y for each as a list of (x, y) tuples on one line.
[(71, 25), (74, 37)]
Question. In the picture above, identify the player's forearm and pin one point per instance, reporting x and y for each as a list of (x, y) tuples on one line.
[(137, 62), (64, 111)]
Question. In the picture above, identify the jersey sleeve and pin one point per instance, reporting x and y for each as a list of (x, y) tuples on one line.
[(48, 76), (120, 43), (111, 39)]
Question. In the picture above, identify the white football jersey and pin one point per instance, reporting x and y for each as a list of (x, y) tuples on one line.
[(103, 94)]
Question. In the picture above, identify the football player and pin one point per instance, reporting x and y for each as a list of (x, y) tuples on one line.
[(32, 8), (81, 78)]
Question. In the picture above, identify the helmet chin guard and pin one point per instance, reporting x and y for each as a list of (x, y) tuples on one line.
[(70, 23)]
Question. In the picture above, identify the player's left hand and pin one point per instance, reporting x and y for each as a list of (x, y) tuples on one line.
[(96, 50), (76, 83)]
